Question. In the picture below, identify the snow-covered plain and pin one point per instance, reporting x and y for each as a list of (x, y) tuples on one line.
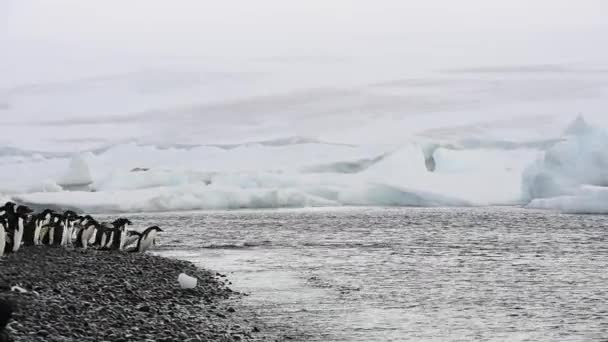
[(192, 139)]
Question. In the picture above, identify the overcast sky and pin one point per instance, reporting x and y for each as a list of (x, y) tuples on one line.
[(85, 59), (60, 37)]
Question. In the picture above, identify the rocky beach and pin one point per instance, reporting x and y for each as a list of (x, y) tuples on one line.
[(76, 295)]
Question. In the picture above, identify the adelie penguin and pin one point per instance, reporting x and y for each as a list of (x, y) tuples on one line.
[(146, 239), (68, 220), (87, 228), (16, 226), (132, 236), (31, 236), (3, 225), (51, 233), (104, 235), (120, 235)]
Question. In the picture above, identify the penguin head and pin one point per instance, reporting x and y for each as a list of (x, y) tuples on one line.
[(156, 228), (46, 212), (23, 211), (69, 214), (9, 206), (121, 222), (152, 229), (89, 219)]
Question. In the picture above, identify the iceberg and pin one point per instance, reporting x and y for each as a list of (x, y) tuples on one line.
[(585, 200), (78, 175), (572, 175), (562, 174)]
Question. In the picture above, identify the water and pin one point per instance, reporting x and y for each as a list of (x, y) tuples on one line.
[(404, 274)]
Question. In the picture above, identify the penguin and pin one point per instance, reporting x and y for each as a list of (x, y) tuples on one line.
[(131, 237), (86, 228), (7, 207), (16, 226), (147, 239), (78, 227), (31, 235), (48, 231), (87, 232), (7, 218), (103, 235), (44, 219), (120, 235), (3, 224), (68, 220)]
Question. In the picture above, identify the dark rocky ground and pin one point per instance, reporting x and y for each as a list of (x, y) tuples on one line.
[(76, 295)]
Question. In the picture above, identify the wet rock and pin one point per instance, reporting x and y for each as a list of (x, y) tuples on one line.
[(113, 296), (42, 333), (143, 308)]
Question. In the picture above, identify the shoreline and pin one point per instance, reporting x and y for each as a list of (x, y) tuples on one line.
[(76, 295)]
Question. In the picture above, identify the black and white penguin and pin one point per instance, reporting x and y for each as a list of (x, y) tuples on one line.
[(104, 234), (3, 225), (132, 236), (45, 218), (16, 221), (87, 228), (49, 232), (147, 239), (78, 227), (68, 220), (31, 236), (8, 215), (7, 207), (120, 234)]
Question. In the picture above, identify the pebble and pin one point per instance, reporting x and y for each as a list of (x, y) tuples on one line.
[(112, 296)]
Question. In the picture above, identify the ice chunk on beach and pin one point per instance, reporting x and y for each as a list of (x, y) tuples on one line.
[(186, 281)]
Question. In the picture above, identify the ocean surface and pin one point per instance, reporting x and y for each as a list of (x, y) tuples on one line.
[(406, 274)]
